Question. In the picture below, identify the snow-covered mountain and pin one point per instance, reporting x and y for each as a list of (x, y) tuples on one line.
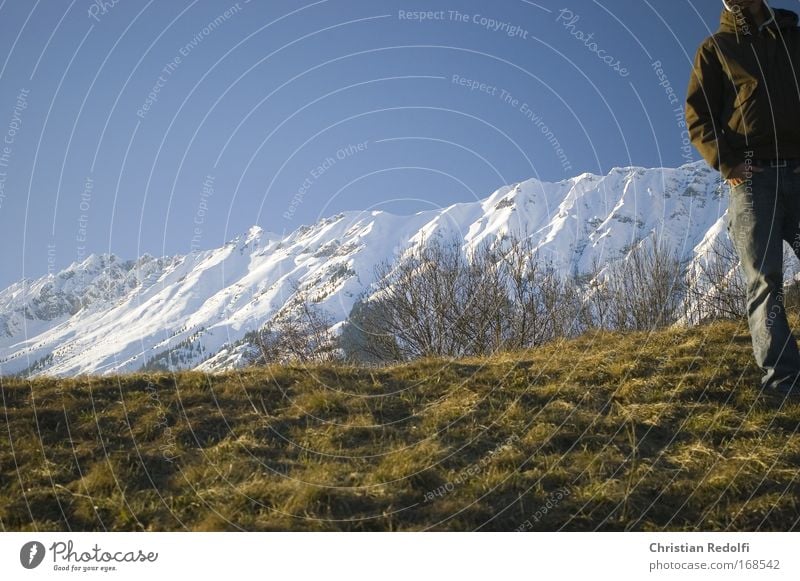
[(106, 315)]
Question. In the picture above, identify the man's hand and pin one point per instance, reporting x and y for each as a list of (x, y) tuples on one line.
[(740, 173)]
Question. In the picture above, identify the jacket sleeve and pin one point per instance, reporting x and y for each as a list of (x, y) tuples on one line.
[(703, 104)]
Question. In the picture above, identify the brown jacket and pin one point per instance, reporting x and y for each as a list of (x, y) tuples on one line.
[(744, 92)]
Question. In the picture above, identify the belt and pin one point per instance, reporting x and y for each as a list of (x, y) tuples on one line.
[(777, 162)]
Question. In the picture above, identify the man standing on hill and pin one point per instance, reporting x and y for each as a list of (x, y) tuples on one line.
[(743, 116)]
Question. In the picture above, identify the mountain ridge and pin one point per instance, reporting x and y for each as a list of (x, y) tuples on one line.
[(109, 315)]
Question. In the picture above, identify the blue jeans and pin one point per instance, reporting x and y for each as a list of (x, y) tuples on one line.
[(763, 212)]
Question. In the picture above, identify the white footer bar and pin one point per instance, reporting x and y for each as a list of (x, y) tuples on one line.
[(400, 556)]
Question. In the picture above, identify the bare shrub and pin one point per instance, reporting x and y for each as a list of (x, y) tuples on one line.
[(421, 298), (594, 311), (647, 288), (300, 331), (438, 300), (715, 285), (643, 291)]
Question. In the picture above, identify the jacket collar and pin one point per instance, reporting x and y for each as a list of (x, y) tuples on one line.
[(770, 18), (742, 24)]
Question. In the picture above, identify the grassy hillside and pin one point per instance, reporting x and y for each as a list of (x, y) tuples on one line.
[(609, 431)]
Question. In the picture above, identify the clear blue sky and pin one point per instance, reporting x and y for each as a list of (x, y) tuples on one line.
[(260, 108)]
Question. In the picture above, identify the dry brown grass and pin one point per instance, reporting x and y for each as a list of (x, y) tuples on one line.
[(638, 431)]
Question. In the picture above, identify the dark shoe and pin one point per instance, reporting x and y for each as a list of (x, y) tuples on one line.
[(783, 392)]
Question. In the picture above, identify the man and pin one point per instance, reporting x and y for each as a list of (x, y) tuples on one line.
[(743, 116)]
